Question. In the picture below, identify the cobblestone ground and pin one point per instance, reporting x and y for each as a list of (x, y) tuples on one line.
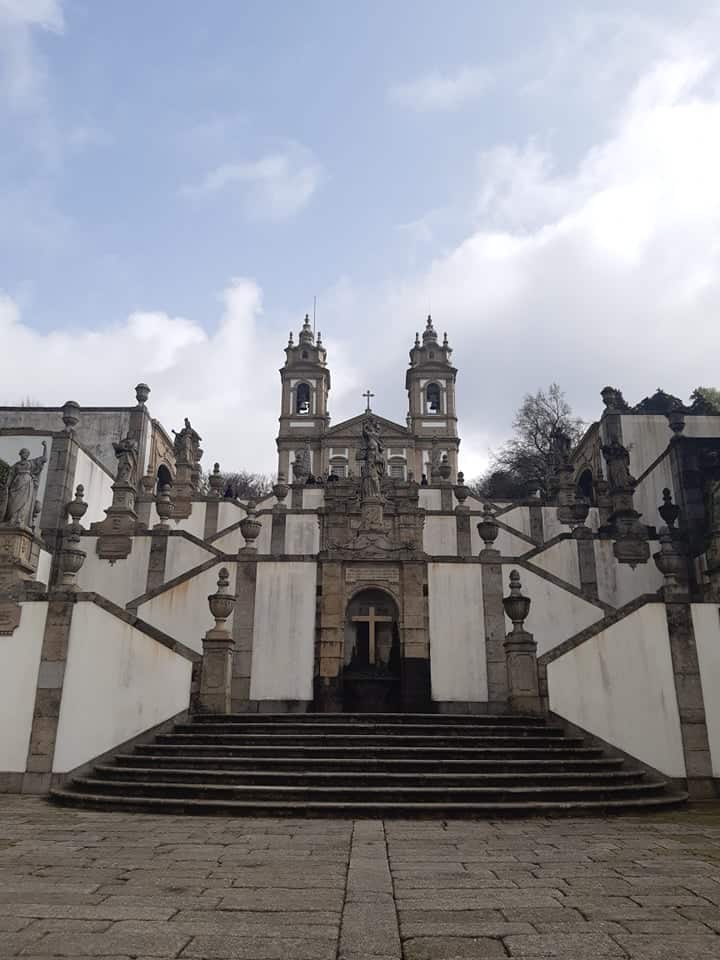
[(84, 884)]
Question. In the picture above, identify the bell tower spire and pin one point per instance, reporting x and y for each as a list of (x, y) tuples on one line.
[(430, 384), (304, 415)]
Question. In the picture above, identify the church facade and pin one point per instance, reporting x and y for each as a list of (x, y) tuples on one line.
[(371, 579)]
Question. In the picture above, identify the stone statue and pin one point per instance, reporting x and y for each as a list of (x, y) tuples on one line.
[(22, 486), (373, 462), (187, 444), (618, 461), (561, 445), (126, 452)]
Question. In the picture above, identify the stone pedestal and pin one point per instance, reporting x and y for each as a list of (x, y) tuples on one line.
[(371, 513), (216, 674), (183, 490), (522, 671), (120, 525), (19, 555)]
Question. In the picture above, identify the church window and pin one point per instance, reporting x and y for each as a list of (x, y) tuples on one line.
[(432, 398), (302, 399), (397, 471), (338, 467)]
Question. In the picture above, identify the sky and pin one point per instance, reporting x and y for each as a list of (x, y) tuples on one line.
[(180, 181)]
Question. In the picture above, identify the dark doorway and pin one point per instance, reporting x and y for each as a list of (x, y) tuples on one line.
[(372, 660)]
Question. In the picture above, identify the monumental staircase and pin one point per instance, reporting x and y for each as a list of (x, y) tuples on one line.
[(367, 765)]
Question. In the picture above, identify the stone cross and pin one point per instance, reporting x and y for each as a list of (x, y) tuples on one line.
[(371, 619), (368, 396)]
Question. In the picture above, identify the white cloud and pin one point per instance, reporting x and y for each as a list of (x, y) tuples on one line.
[(22, 70), (442, 91), (275, 187)]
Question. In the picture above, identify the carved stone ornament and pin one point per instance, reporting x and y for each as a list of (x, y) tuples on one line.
[(70, 415), (215, 482), (222, 602), (517, 606), (676, 420), (488, 527), (77, 508), (71, 559), (142, 392), (281, 490), (250, 527), (614, 400), (668, 510), (671, 561), (164, 506), (461, 491), (23, 480)]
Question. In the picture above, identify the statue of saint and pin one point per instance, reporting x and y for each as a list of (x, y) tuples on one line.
[(373, 462), (187, 444), (618, 461), (126, 452), (22, 486)]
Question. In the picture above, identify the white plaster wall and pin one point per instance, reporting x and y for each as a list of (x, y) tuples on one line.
[(10, 447), (648, 493), (302, 533), (230, 542), (458, 668), (118, 683), (120, 581), (551, 525), (561, 559), (182, 611), (430, 499), (618, 583), (440, 536), (555, 614), (518, 518), (183, 555), (313, 497), (42, 574), (98, 488), (229, 512), (195, 523), (284, 631), (19, 663), (645, 436), (507, 543), (702, 427), (706, 624), (619, 685)]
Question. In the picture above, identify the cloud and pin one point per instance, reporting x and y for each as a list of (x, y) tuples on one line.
[(22, 69), (274, 187), (438, 91)]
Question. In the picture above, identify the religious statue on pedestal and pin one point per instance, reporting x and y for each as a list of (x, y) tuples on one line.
[(22, 486), (126, 452), (373, 462)]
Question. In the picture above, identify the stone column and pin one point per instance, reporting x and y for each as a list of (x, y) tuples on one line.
[(493, 612), (521, 653), (243, 625), (415, 676), (218, 644), (279, 516), (328, 678), (462, 518)]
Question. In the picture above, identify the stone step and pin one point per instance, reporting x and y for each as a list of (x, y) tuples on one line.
[(344, 764), (344, 740), (364, 793), (371, 751), (519, 808), (364, 777), (359, 729), (431, 719)]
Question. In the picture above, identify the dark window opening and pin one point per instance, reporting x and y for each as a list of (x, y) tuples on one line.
[(302, 399)]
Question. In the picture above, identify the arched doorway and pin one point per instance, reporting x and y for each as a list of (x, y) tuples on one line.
[(371, 661), (164, 477)]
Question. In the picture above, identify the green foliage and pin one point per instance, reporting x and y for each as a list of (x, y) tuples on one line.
[(710, 395)]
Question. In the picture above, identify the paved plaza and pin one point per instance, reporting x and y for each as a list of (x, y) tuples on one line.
[(85, 884)]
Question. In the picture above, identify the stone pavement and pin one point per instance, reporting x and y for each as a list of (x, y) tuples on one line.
[(83, 884)]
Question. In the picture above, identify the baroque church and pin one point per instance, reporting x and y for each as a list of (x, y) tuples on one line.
[(148, 620)]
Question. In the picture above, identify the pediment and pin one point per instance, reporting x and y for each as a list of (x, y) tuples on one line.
[(353, 428)]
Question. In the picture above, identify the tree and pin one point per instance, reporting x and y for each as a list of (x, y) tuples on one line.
[(242, 485), (523, 465), (710, 395)]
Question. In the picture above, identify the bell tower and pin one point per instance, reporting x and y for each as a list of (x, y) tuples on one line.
[(305, 387), (432, 417)]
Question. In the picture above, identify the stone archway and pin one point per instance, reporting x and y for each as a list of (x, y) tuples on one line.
[(372, 653)]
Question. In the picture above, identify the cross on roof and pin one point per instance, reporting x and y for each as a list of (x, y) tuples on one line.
[(368, 396)]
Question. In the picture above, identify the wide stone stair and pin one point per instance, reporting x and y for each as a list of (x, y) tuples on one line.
[(368, 765)]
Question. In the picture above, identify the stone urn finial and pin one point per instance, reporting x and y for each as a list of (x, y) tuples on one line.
[(281, 489), (517, 606), (488, 527), (222, 602), (672, 564), (164, 506), (668, 510), (250, 527), (70, 415), (142, 392), (444, 469), (460, 490), (77, 508), (216, 482), (676, 420)]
